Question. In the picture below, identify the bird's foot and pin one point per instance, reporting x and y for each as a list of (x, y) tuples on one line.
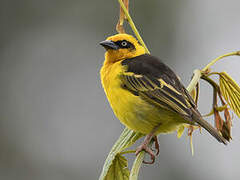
[(144, 147)]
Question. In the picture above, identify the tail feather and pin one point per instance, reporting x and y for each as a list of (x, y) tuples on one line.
[(196, 116)]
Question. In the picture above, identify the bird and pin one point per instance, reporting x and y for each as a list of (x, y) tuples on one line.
[(145, 94)]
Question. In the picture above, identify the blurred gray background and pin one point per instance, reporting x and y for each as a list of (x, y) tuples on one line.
[(55, 122)]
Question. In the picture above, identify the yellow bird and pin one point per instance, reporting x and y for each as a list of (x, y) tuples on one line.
[(145, 94)]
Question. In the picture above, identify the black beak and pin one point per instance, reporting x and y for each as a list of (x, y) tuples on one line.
[(109, 45)]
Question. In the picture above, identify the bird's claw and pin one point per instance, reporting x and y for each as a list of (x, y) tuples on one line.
[(144, 147)]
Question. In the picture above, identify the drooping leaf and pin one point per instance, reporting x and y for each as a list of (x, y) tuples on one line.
[(230, 91)]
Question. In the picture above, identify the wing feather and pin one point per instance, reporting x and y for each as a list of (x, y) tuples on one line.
[(156, 83), (160, 93)]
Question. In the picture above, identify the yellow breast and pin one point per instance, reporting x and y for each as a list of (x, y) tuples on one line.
[(125, 105), (118, 97)]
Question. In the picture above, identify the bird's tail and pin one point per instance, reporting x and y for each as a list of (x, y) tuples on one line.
[(198, 118)]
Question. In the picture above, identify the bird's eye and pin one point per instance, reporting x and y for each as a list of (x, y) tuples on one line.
[(124, 43)]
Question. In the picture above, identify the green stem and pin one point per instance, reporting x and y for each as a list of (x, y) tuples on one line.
[(236, 53), (127, 152), (137, 164), (210, 81), (196, 77), (131, 23)]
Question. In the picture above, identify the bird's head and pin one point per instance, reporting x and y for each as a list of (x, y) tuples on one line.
[(122, 46)]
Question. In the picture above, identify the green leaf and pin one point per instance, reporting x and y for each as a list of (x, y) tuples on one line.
[(126, 139), (119, 169), (230, 91)]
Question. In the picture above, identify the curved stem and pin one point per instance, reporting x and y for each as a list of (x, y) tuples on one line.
[(131, 23), (127, 152), (210, 81), (196, 77), (236, 53), (137, 164)]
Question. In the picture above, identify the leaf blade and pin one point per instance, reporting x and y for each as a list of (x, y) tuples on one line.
[(230, 91)]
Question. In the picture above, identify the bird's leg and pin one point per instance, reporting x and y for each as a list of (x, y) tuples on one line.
[(144, 146), (156, 144)]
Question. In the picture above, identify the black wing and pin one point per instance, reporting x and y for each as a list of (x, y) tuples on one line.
[(151, 79)]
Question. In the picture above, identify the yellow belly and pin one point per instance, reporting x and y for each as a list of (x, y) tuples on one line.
[(131, 110)]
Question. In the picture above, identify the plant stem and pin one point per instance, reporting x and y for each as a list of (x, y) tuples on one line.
[(131, 23), (236, 53), (127, 152), (196, 77), (137, 164)]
